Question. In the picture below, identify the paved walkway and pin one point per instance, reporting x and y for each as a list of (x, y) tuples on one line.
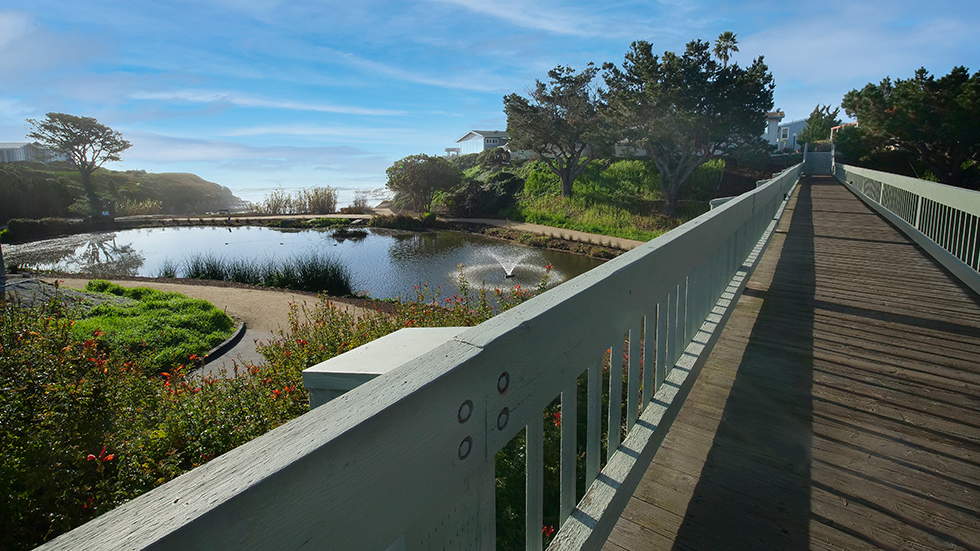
[(560, 233), (840, 408)]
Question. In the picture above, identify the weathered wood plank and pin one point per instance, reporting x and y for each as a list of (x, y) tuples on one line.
[(840, 408)]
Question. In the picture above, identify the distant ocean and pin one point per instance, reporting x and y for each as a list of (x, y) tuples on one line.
[(345, 195)]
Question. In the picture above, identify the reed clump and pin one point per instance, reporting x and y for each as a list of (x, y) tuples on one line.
[(314, 271)]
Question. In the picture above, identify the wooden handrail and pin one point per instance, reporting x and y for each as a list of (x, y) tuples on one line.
[(406, 460)]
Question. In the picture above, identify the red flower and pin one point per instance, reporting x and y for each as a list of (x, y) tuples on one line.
[(101, 457), (548, 530), (556, 419)]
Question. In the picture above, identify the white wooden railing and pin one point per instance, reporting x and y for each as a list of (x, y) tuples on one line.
[(943, 220), (406, 461)]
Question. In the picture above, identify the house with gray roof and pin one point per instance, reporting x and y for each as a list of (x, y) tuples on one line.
[(25, 151)]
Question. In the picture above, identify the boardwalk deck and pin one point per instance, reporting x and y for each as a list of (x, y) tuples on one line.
[(839, 410)]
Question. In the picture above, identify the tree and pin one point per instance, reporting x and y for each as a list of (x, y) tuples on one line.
[(818, 125), (421, 177), (936, 118), (725, 46), (560, 122), (686, 109), (87, 143)]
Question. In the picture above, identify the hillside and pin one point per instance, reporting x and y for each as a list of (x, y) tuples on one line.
[(37, 190)]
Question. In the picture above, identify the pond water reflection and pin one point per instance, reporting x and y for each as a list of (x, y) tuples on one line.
[(384, 263)]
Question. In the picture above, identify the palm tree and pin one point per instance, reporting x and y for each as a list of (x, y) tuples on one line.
[(725, 46)]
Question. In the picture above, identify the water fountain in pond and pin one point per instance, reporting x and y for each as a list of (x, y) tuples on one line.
[(509, 262), (505, 269)]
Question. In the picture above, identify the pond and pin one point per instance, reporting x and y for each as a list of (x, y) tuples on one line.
[(384, 263)]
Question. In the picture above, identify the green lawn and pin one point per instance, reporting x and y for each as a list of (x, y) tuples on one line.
[(165, 329)]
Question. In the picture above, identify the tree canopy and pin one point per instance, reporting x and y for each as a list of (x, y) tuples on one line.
[(936, 118), (686, 109), (421, 177), (818, 125), (561, 122), (87, 143)]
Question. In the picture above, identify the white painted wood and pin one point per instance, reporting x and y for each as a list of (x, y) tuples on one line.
[(937, 232), (593, 452), (569, 425), (633, 381), (603, 503), (465, 521), (331, 378), (661, 366), (649, 356), (963, 199), (615, 415), (366, 469), (534, 539)]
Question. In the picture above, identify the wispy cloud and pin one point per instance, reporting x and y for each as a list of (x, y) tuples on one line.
[(28, 49), (174, 149), (243, 100), (361, 134)]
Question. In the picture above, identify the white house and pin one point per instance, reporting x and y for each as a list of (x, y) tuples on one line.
[(782, 135), (476, 141), (25, 151)]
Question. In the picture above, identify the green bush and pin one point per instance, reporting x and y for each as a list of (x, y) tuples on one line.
[(328, 222), (21, 230), (539, 179), (395, 222)]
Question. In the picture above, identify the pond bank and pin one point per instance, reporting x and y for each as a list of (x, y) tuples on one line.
[(602, 247)]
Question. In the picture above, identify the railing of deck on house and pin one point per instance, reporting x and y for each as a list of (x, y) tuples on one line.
[(944, 220), (406, 461)]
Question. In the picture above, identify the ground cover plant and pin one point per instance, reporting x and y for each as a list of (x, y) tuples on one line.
[(161, 329)]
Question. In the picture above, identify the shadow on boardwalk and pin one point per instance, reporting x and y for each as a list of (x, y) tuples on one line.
[(840, 408), (760, 456)]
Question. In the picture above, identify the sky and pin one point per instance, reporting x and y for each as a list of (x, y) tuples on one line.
[(256, 95)]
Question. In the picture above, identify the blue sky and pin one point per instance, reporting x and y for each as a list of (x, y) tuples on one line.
[(258, 94)]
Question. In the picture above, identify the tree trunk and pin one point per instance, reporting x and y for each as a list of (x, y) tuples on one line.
[(566, 184), (95, 205)]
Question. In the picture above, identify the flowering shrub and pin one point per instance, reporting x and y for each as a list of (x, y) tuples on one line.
[(324, 331), (85, 429)]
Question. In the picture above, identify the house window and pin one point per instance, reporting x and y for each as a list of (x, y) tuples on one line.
[(784, 133), (491, 141)]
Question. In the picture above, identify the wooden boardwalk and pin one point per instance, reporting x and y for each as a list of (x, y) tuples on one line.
[(839, 410)]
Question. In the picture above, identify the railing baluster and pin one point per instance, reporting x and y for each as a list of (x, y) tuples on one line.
[(534, 501), (663, 313), (649, 355), (615, 396), (593, 454), (633, 386), (569, 425)]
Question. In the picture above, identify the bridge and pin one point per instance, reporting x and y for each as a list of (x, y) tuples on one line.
[(799, 369)]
